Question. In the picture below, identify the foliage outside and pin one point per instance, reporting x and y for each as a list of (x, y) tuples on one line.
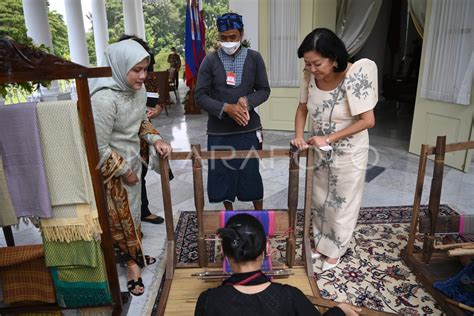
[(164, 28), (12, 24), (165, 25)]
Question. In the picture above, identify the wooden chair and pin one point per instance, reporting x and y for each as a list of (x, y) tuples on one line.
[(173, 73), (157, 81)]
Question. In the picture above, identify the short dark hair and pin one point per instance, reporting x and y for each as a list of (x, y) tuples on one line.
[(243, 238), (327, 44)]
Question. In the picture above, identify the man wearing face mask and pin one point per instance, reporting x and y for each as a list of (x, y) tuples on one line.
[(231, 83)]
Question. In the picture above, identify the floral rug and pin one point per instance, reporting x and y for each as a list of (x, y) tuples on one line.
[(371, 272)]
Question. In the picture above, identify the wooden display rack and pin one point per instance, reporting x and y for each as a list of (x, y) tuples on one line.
[(19, 63), (431, 264), (180, 291)]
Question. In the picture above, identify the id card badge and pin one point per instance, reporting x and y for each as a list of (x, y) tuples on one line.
[(230, 78)]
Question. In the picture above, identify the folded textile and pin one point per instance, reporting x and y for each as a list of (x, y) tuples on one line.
[(24, 275), (74, 215), (75, 253), (7, 214), (78, 286), (460, 287), (72, 223), (23, 162), (63, 152)]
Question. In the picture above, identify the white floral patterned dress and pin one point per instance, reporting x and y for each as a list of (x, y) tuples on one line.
[(339, 177)]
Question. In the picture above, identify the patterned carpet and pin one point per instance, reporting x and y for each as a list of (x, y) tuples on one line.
[(371, 272)]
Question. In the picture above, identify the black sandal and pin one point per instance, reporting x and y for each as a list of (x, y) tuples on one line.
[(149, 260), (132, 284)]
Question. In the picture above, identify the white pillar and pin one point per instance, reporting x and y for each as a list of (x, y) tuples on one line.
[(101, 30), (248, 9), (130, 17), (36, 20), (140, 20), (76, 33)]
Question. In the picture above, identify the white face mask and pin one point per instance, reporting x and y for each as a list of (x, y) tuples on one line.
[(230, 47)]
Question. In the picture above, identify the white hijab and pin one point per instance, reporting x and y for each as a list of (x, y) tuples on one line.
[(121, 57)]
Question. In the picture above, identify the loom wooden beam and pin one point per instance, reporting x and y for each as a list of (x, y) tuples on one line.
[(211, 222), (167, 202), (235, 154), (435, 196), (307, 212), (293, 186), (88, 129), (444, 224), (417, 198), (198, 185), (321, 302)]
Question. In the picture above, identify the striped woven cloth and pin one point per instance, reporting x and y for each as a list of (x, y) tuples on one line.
[(24, 275), (78, 271)]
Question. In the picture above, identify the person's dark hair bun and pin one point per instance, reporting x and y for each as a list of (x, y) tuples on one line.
[(243, 238)]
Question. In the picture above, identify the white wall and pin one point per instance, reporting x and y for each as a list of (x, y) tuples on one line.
[(248, 9)]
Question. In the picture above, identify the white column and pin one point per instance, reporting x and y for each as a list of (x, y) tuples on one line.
[(101, 30), (140, 20), (76, 33), (36, 20), (248, 9), (130, 17)]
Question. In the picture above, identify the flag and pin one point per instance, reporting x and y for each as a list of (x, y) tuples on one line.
[(195, 41)]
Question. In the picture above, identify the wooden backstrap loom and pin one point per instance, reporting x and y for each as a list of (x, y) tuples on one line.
[(436, 262), (180, 290), (18, 64)]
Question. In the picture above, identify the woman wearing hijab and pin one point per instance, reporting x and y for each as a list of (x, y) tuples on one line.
[(119, 107), (248, 291)]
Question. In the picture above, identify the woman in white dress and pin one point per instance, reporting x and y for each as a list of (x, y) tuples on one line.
[(340, 97)]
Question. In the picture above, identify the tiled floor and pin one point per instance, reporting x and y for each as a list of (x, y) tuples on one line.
[(394, 186)]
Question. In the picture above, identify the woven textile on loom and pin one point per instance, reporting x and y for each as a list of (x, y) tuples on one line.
[(74, 211), (78, 272), (24, 275), (460, 287), (20, 148), (466, 224), (267, 218)]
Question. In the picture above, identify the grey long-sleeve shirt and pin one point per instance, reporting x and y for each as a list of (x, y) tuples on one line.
[(212, 92)]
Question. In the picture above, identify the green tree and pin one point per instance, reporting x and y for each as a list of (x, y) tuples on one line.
[(212, 10), (115, 19), (58, 34), (90, 42), (12, 23)]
